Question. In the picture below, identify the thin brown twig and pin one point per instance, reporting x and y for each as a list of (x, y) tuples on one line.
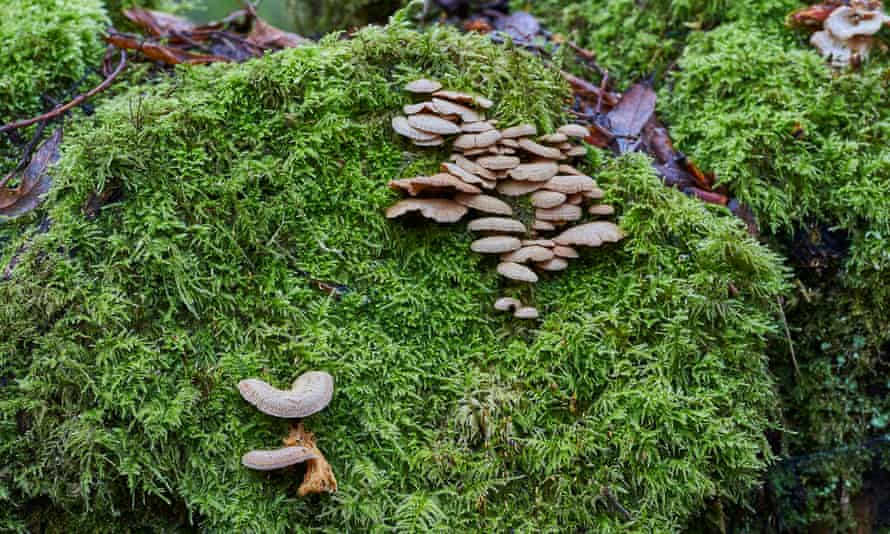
[(788, 336), (79, 99)]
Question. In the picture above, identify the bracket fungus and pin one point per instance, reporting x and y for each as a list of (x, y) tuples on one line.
[(310, 393), (510, 163)]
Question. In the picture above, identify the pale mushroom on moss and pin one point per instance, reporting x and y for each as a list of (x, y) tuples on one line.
[(535, 171), (573, 130), (495, 244), (570, 184), (564, 212), (472, 167), (465, 98), (471, 141), (438, 209), (484, 203), (427, 122), (515, 271), (591, 234), (498, 163), (526, 312), (540, 150), (515, 188), (507, 304), (497, 224), (309, 393), (262, 460), (601, 209), (476, 127), (404, 128), (532, 253), (437, 182), (554, 264), (423, 86), (523, 130)]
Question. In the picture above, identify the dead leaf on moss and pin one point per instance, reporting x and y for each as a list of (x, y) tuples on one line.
[(265, 35), (34, 181), (158, 23)]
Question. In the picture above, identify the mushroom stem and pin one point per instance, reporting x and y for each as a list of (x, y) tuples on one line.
[(319, 477)]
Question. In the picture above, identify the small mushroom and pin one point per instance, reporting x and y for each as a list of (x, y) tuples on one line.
[(526, 312), (464, 98), (539, 242), (438, 141), (601, 209), (404, 128), (573, 130), (510, 143), (437, 182), (309, 394), (540, 150), (484, 203), (554, 138), (536, 171), (523, 130), (575, 199), (547, 199), (568, 169), (277, 458), (591, 234), (847, 22), (595, 193), (495, 244), (458, 171), (412, 109), (496, 224), (543, 226), (423, 86), (533, 253), (445, 107), (515, 271), (570, 184), (471, 141), (507, 304), (476, 127), (576, 152), (514, 188), (564, 251), (841, 54), (438, 209), (496, 163), (564, 212), (472, 167), (555, 264), (433, 124)]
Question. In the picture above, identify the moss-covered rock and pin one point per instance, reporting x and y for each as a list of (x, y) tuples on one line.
[(124, 336)]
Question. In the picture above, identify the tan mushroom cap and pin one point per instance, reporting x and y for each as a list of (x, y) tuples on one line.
[(554, 138), (841, 53), (277, 458), (539, 242), (495, 245), (847, 22), (484, 203), (601, 209), (438, 209), (423, 86), (570, 184), (465, 98), (576, 152), (526, 312), (496, 224), (446, 107), (507, 304), (515, 271), (476, 127), (540, 150), (565, 168), (510, 143), (412, 109), (438, 141), (309, 393), (556, 264), (575, 199), (591, 234), (565, 146), (523, 130), (533, 253), (427, 122), (471, 141), (574, 130), (473, 151), (472, 167), (564, 251), (514, 188), (498, 163), (543, 226), (536, 171), (564, 212), (458, 171), (547, 199), (437, 182), (595, 193), (404, 128)]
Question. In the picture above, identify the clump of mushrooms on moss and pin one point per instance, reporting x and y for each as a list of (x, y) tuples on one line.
[(488, 170), (309, 394), (847, 34)]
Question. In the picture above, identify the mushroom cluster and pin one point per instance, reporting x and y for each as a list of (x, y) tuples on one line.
[(846, 37), (310, 393), (488, 172)]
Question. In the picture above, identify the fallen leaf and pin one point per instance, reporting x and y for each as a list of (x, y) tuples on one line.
[(163, 53), (158, 23), (34, 180), (812, 17), (633, 111), (520, 26), (265, 35)]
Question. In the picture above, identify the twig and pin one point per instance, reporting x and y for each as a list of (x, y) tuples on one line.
[(73, 103), (788, 337), (607, 493)]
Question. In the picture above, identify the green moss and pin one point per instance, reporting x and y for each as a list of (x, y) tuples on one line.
[(124, 336)]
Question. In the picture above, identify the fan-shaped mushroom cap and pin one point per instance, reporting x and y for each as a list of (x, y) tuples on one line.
[(601, 209), (437, 182), (497, 163), (548, 243), (514, 188), (515, 271), (846, 22), (476, 127), (495, 245), (564, 212), (591, 234), (484, 203), (523, 130), (276, 459), (464, 175), (573, 130), (473, 151), (555, 264), (565, 168), (438, 209), (565, 252), (432, 123), (595, 193), (423, 86), (570, 184), (471, 141), (576, 152), (507, 304), (411, 109), (309, 394), (841, 53), (554, 138), (536, 171), (445, 107), (540, 150), (438, 141), (543, 226), (511, 143), (464, 98), (526, 312), (496, 224), (532, 253), (547, 199), (472, 167), (404, 128)]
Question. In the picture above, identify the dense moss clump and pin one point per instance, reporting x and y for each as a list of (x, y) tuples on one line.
[(809, 150), (124, 336)]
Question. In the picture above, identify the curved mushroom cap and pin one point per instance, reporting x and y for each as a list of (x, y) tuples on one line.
[(514, 271), (507, 304), (498, 163), (601, 209), (461, 173), (514, 188), (573, 130), (433, 124), (423, 86), (437, 182), (445, 107), (438, 141), (555, 264), (523, 130), (533, 253), (309, 394), (476, 127), (438, 209), (564, 212), (526, 312), (278, 458), (554, 138), (595, 193), (841, 53), (464, 98), (565, 168), (547, 199), (540, 150), (536, 171), (548, 243), (412, 109), (576, 151), (470, 141), (484, 203), (496, 224), (543, 226), (591, 234), (472, 167), (495, 245), (570, 184), (565, 252), (846, 22), (404, 128)]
